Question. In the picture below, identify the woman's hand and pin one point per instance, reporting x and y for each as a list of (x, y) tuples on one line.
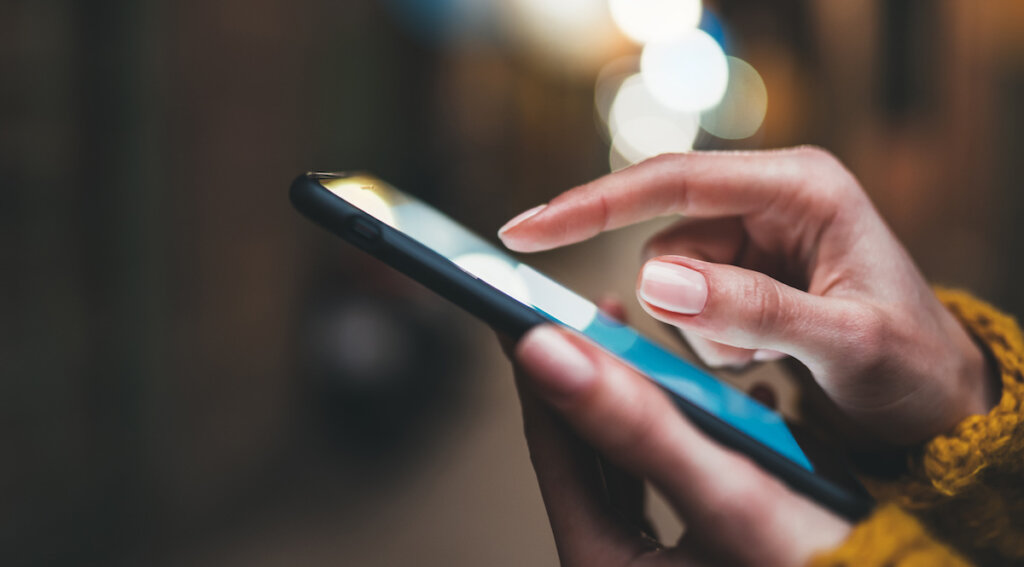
[(735, 513), (782, 253)]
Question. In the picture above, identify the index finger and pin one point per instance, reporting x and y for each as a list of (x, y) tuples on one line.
[(698, 184)]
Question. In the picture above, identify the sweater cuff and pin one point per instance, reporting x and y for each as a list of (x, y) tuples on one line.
[(892, 538), (953, 463)]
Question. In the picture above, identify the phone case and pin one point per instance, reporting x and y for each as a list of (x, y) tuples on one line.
[(511, 317)]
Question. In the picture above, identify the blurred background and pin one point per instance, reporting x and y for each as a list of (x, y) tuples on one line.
[(192, 374)]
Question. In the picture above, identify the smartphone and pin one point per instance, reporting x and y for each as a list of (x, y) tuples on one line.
[(512, 297)]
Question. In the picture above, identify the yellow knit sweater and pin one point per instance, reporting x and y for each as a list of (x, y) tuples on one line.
[(965, 489)]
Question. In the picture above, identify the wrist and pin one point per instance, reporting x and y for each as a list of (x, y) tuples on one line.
[(980, 378)]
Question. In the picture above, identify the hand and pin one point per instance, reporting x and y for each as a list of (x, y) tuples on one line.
[(735, 513), (782, 253)]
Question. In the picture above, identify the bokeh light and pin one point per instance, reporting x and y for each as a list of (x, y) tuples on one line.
[(742, 110), (632, 100), (641, 127), (682, 83), (689, 74), (617, 161), (648, 136), (655, 20), (608, 83)]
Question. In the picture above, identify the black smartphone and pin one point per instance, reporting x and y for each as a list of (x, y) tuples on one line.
[(512, 297)]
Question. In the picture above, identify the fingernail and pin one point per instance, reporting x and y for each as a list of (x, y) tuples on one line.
[(674, 288), (520, 218), (768, 355), (557, 367)]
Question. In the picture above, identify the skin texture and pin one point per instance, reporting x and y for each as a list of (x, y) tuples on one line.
[(782, 255)]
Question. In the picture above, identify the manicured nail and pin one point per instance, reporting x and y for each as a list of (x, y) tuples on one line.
[(520, 218), (768, 355), (557, 367), (673, 288)]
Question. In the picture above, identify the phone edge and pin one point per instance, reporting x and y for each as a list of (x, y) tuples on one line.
[(508, 316)]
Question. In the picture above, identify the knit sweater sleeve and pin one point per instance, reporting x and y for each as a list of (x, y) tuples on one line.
[(889, 538), (966, 487)]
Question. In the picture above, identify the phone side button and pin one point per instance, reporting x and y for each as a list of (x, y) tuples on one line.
[(363, 233)]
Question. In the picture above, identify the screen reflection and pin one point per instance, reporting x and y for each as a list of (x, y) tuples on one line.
[(486, 262)]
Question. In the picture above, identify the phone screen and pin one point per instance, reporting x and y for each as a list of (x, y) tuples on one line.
[(491, 265)]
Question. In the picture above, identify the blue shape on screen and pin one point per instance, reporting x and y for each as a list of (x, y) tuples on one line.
[(561, 305), (689, 382)]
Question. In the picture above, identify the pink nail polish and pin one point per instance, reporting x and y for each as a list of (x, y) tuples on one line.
[(674, 288), (518, 219), (557, 367)]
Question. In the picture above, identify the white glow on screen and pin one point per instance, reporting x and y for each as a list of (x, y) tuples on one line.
[(364, 194), (689, 74), (655, 20), (742, 110), (496, 272), (557, 301)]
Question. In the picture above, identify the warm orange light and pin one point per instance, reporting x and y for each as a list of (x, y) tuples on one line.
[(575, 35), (364, 192)]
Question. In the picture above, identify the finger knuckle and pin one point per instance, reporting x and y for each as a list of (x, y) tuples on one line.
[(867, 334), (817, 163), (766, 296), (825, 176), (815, 154), (665, 159)]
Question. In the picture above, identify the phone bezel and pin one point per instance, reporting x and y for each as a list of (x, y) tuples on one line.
[(511, 317)]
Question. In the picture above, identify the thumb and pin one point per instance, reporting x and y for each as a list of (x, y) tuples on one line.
[(739, 307)]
